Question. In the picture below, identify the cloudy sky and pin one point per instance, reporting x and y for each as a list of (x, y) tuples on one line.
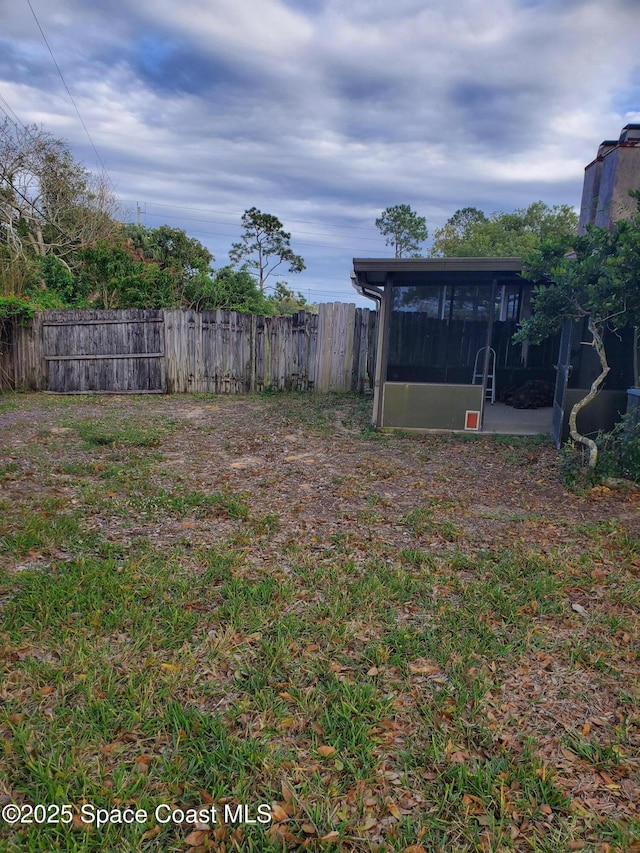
[(324, 112)]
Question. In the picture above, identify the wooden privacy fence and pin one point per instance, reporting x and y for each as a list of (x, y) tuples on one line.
[(222, 352)]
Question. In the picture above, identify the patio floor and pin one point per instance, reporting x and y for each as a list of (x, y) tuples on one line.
[(506, 420)]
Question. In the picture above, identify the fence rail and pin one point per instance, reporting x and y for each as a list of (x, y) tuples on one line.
[(222, 352)]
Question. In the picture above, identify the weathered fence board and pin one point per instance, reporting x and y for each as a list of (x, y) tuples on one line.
[(221, 352), (22, 364), (119, 352)]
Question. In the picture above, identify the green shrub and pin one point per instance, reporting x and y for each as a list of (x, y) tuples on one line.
[(619, 450)]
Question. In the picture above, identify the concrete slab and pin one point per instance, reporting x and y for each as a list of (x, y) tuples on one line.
[(505, 420)]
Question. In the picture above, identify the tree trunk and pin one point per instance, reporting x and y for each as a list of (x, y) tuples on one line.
[(595, 388)]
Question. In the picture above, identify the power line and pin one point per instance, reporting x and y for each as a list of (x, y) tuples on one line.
[(31, 204), (298, 242), (218, 222), (64, 83), (220, 234), (14, 119), (233, 213)]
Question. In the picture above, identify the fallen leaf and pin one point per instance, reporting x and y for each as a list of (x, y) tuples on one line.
[(150, 833), (580, 609), (394, 810), (108, 748), (287, 794), (78, 823), (142, 764), (326, 751), (424, 668), (334, 835), (278, 814), (195, 838)]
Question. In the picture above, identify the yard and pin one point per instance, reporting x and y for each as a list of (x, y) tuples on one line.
[(386, 642)]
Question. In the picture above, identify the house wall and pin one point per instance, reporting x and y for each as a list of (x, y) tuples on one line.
[(590, 194), (425, 406), (620, 173), (608, 179)]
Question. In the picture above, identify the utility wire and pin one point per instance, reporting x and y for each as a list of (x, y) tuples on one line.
[(220, 234), (232, 213), (13, 118), (64, 83), (298, 242), (218, 222), (31, 204), (5, 176)]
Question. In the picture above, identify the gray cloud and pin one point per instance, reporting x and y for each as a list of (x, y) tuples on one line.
[(322, 112)]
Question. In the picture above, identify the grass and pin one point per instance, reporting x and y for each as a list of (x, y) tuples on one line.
[(184, 634), (113, 431)]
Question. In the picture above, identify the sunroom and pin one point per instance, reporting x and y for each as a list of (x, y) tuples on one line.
[(446, 359)]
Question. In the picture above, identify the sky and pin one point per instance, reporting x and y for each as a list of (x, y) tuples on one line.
[(324, 112)]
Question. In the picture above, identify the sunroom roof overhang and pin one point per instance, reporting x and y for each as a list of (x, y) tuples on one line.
[(378, 272)]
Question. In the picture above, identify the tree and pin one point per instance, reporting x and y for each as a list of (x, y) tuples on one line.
[(403, 229), (170, 248), (230, 289), (284, 301), (51, 208), (456, 235), (49, 203), (264, 246), (183, 258), (470, 233), (598, 280), (111, 277)]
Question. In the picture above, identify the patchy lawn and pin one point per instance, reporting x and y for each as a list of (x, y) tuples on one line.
[(387, 642)]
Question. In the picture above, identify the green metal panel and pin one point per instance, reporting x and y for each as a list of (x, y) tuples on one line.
[(425, 406)]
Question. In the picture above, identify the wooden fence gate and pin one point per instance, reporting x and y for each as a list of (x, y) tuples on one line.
[(118, 352)]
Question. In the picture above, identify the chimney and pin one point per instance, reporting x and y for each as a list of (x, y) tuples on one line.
[(608, 180)]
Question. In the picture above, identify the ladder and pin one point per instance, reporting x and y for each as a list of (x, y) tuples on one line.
[(490, 390)]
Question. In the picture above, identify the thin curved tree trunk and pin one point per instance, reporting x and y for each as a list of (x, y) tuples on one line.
[(589, 443)]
